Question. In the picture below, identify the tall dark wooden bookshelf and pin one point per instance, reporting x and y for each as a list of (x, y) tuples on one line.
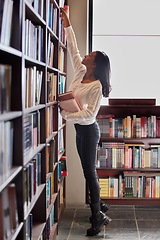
[(15, 55), (120, 109)]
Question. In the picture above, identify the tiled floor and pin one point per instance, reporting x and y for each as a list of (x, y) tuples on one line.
[(128, 223)]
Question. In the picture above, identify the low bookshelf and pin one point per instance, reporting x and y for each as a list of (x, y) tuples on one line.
[(128, 158)]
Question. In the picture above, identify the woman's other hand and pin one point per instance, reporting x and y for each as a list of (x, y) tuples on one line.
[(64, 17)]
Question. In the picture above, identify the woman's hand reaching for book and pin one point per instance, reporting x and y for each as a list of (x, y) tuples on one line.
[(64, 17)]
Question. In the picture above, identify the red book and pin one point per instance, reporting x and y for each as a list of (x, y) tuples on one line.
[(69, 102), (13, 205)]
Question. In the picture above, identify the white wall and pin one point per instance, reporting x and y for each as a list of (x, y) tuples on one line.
[(75, 187), (128, 31)]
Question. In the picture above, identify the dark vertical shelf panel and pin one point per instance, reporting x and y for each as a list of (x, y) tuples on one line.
[(16, 36)]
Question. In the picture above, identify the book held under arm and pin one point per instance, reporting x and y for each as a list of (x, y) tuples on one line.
[(69, 102)]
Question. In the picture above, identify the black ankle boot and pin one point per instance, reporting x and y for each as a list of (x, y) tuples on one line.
[(108, 220), (104, 206), (98, 221)]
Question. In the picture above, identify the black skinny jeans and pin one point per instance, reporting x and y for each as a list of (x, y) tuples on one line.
[(87, 138)]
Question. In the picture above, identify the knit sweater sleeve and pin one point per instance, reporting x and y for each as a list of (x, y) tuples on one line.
[(73, 51), (83, 116)]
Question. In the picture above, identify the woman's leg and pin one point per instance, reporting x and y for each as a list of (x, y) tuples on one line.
[(87, 138)]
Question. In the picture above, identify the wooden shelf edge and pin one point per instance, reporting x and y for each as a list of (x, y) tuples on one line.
[(129, 169), (34, 200), (34, 61), (61, 127), (32, 153), (54, 197), (10, 115), (52, 136), (54, 232), (10, 50), (51, 103), (6, 179), (48, 175), (16, 232), (60, 182), (132, 201), (37, 230), (60, 155), (32, 109), (35, 13), (52, 68)]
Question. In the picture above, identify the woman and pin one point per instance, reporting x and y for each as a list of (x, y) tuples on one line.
[(91, 81)]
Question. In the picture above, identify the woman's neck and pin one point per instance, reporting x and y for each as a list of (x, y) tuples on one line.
[(89, 77)]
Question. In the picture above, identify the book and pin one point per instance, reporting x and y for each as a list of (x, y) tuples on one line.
[(69, 102), (13, 205)]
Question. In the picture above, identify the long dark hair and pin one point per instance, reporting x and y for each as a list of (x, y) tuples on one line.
[(102, 72)]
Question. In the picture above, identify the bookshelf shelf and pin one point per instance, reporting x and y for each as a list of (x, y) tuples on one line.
[(10, 116), (54, 231), (34, 199), (33, 153), (32, 109), (32, 14), (32, 61), (29, 117), (128, 160), (52, 33), (37, 230), (52, 136), (6, 179), (51, 205), (16, 232), (10, 50)]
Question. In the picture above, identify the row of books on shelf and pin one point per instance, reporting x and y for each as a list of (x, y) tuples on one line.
[(60, 142), (52, 17), (5, 88), (6, 14), (62, 168), (62, 171), (121, 155), (60, 119), (32, 180), (131, 184), (33, 84), (50, 54), (51, 87), (8, 211), (6, 147), (50, 223), (62, 84), (60, 197), (31, 131), (129, 127), (38, 6), (49, 190), (62, 36), (50, 123), (34, 40), (50, 156), (61, 59), (29, 229)]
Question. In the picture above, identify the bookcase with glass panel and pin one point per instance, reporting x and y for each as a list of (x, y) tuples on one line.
[(128, 159), (32, 132)]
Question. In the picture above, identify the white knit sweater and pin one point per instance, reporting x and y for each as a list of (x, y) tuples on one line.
[(88, 94)]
